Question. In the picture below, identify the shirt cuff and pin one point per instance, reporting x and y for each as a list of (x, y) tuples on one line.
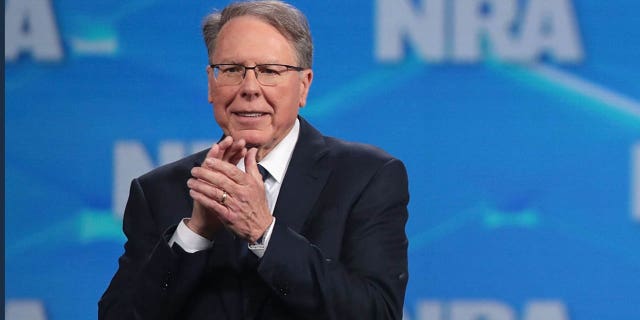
[(259, 248), (188, 240)]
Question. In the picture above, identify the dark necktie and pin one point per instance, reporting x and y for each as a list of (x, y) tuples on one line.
[(263, 172)]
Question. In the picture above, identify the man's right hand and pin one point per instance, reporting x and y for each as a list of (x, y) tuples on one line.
[(203, 221)]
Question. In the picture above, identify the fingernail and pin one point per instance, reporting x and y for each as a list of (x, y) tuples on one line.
[(210, 161)]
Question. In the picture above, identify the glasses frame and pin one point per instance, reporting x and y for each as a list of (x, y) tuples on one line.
[(244, 74)]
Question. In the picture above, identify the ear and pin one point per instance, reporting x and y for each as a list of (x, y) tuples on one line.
[(210, 82), (306, 77)]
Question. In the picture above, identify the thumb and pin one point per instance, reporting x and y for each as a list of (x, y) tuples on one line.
[(213, 153), (250, 164)]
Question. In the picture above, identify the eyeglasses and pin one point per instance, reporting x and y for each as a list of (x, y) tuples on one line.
[(230, 74)]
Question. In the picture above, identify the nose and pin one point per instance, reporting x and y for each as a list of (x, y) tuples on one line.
[(250, 88)]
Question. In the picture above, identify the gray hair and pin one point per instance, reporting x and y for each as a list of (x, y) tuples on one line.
[(288, 20)]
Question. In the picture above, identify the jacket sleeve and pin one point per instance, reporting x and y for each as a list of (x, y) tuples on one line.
[(369, 279), (152, 278)]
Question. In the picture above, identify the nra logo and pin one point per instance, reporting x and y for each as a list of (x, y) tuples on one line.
[(469, 31), (488, 310), (30, 27)]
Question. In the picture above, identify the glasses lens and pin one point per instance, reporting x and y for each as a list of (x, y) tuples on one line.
[(228, 74), (270, 74)]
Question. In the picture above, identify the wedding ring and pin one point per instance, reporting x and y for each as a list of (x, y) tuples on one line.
[(224, 197)]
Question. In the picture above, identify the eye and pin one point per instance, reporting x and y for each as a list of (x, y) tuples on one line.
[(230, 69), (269, 70)]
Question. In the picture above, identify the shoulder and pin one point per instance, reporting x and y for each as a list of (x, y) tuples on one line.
[(363, 160), (357, 152), (345, 154)]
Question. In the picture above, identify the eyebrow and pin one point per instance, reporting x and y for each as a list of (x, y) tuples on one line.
[(271, 61)]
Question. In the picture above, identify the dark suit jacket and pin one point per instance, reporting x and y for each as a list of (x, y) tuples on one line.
[(338, 248)]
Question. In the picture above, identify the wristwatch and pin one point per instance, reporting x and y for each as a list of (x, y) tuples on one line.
[(259, 244)]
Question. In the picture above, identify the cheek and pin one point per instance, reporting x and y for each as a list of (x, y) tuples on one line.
[(218, 112), (288, 113), (221, 98), (220, 117), (288, 99)]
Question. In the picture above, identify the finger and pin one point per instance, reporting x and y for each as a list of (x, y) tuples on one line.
[(206, 189), (223, 146), (217, 151), (213, 152), (211, 177), (221, 212), (238, 156), (251, 165), (232, 153), (227, 169), (212, 198)]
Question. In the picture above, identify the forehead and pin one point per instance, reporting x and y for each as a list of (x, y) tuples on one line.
[(248, 39)]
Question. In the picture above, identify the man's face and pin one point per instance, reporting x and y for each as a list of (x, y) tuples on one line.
[(262, 115)]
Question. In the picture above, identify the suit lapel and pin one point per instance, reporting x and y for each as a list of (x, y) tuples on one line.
[(305, 178)]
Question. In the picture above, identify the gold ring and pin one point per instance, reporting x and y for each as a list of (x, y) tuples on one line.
[(224, 197)]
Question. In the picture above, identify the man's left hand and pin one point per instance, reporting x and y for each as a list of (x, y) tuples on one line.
[(244, 209)]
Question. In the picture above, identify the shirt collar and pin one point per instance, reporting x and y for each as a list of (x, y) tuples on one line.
[(277, 160)]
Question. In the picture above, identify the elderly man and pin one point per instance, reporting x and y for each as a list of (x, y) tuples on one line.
[(275, 221)]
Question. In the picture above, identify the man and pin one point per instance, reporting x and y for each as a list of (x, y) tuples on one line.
[(275, 221)]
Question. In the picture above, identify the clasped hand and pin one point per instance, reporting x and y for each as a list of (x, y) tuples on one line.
[(224, 196)]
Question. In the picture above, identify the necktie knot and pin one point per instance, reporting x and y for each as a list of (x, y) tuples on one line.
[(263, 172)]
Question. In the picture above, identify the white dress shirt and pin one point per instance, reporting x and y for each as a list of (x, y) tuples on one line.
[(276, 162)]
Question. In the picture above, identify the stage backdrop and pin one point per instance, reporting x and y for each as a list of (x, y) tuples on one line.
[(518, 121)]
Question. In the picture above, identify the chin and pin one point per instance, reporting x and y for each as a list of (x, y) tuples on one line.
[(253, 138), (255, 143)]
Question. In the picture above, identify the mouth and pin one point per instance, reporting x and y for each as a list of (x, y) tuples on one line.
[(249, 114)]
